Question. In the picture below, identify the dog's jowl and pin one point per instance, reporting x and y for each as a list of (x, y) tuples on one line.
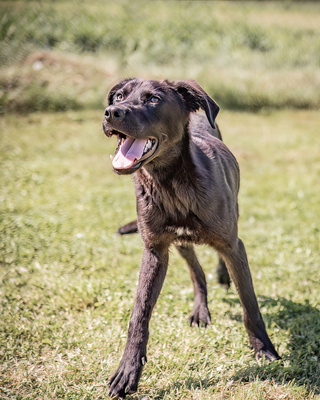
[(186, 183)]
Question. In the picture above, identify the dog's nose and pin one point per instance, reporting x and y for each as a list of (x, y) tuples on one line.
[(114, 113)]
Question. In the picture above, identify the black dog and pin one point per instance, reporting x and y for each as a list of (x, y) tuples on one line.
[(187, 182)]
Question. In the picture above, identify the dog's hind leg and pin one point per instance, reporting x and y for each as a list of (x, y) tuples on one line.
[(222, 273), (200, 313), (221, 270), (237, 263)]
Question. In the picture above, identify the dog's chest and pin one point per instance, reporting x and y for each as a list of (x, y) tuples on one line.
[(167, 210), (182, 233), (179, 231)]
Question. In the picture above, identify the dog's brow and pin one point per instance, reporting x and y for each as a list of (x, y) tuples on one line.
[(160, 89), (154, 91), (129, 87)]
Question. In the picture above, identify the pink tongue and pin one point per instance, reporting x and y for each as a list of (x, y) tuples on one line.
[(130, 150)]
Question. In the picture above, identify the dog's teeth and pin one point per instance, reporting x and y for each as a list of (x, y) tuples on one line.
[(148, 146), (111, 157)]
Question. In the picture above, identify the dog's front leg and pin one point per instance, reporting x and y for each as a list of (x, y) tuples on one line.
[(152, 273), (237, 263)]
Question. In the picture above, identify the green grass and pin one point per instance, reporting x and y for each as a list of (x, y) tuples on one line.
[(249, 55), (68, 281)]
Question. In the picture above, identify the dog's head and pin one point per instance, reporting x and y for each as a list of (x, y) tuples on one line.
[(149, 117)]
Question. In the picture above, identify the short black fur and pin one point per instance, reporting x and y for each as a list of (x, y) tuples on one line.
[(186, 194)]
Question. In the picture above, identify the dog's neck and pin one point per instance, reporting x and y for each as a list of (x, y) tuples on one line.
[(177, 161), (172, 185)]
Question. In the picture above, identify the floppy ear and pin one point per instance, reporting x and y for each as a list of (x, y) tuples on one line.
[(195, 97), (115, 88)]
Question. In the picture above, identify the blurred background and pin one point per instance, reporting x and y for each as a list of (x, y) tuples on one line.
[(60, 55)]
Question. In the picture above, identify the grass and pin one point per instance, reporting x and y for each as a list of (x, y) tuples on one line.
[(68, 281), (250, 55)]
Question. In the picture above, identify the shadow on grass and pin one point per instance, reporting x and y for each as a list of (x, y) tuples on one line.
[(301, 363), (300, 366)]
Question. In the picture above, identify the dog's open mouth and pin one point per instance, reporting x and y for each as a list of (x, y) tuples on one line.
[(130, 152)]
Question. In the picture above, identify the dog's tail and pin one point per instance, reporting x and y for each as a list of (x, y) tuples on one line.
[(131, 227)]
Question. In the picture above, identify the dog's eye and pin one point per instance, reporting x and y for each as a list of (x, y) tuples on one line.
[(119, 97), (154, 99)]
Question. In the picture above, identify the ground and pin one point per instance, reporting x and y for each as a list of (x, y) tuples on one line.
[(68, 281)]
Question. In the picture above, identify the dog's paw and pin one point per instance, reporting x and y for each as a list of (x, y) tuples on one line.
[(263, 350), (126, 378), (200, 316), (267, 355)]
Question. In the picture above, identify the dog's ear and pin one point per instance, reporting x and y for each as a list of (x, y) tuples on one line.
[(117, 87), (195, 97)]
